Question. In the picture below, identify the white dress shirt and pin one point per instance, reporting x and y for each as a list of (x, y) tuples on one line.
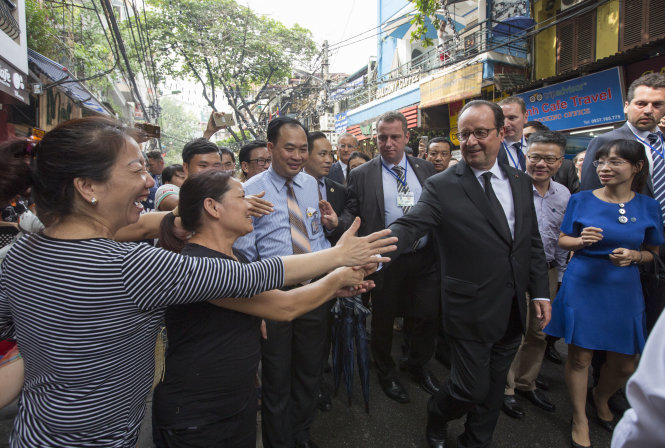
[(503, 192)]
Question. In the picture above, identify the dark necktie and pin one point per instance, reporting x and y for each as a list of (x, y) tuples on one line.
[(658, 176), (520, 156), (321, 185), (299, 236), (495, 204), (402, 186)]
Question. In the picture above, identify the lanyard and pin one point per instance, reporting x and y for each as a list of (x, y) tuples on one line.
[(396, 176), (644, 142), (515, 163)]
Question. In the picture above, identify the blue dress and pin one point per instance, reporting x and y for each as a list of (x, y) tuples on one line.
[(600, 306)]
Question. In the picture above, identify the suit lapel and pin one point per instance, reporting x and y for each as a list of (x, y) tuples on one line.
[(375, 182), (515, 182), (417, 168), (475, 192)]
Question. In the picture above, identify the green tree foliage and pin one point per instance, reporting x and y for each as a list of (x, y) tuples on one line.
[(178, 127), (228, 48), (424, 9)]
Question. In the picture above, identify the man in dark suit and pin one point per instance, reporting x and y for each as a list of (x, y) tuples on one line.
[(346, 144), (482, 215), (384, 189), (332, 195), (566, 174), (513, 145)]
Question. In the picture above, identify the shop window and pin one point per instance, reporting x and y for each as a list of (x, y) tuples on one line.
[(576, 42), (642, 21)]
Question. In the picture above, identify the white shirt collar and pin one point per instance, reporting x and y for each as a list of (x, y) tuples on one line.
[(496, 170), (642, 134), (401, 163)]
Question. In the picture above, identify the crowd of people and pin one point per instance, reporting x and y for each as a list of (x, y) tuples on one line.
[(489, 258)]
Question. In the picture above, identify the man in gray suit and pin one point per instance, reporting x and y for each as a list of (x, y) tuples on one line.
[(346, 144), (382, 190)]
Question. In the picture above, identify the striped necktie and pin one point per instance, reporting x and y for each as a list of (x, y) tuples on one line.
[(402, 186), (658, 176), (299, 236)]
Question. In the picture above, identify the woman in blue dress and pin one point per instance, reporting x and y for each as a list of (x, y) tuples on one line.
[(600, 305)]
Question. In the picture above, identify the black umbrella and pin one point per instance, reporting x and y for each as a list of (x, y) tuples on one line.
[(349, 334)]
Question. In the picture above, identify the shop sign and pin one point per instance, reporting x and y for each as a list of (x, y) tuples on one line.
[(341, 123), (463, 83), (591, 100), (641, 68), (13, 82), (399, 84)]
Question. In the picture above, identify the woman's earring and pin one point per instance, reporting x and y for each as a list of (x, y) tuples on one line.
[(93, 201)]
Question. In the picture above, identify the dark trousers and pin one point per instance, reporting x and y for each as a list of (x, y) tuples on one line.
[(476, 383), (410, 286), (238, 431), (291, 366)]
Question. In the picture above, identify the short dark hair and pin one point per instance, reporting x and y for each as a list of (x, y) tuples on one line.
[(451, 146), (653, 80), (358, 155), (169, 172), (194, 191), (198, 146), (548, 137), (514, 100), (154, 155), (633, 151), (224, 150), (393, 115), (84, 147), (537, 125), (496, 109), (276, 124), (312, 137), (245, 153)]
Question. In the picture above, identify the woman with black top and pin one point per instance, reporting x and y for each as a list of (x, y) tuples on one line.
[(87, 314), (207, 397)]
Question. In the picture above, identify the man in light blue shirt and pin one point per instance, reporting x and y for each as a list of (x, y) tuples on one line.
[(292, 353)]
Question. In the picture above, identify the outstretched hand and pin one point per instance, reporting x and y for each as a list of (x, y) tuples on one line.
[(259, 207), (360, 251), (328, 215)]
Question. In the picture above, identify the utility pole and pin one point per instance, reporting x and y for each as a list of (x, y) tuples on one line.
[(326, 72)]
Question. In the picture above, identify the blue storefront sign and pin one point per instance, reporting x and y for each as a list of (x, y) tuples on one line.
[(340, 123), (591, 100)]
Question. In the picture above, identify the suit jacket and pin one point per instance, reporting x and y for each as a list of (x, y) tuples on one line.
[(337, 196), (336, 173), (367, 200), (567, 176), (485, 270), (503, 158), (590, 180)]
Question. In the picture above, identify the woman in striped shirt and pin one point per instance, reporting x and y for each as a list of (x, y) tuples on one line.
[(85, 309)]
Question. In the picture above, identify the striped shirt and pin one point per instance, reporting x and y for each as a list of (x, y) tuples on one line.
[(272, 233), (85, 314)]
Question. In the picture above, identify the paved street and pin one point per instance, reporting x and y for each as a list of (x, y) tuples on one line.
[(402, 425)]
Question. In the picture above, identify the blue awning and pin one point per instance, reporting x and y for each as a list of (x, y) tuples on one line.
[(71, 87)]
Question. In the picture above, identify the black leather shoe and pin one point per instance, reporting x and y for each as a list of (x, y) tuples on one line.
[(308, 444), (607, 425), (323, 401), (538, 398), (574, 444), (512, 407), (426, 379), (553, 355), (436, 431), (394, 390), (542, 383)]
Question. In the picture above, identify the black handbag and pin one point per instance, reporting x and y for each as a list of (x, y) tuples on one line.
[(652, 277)]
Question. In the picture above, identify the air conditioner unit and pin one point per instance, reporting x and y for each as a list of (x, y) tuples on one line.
[(327, 122), (565, 4)]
